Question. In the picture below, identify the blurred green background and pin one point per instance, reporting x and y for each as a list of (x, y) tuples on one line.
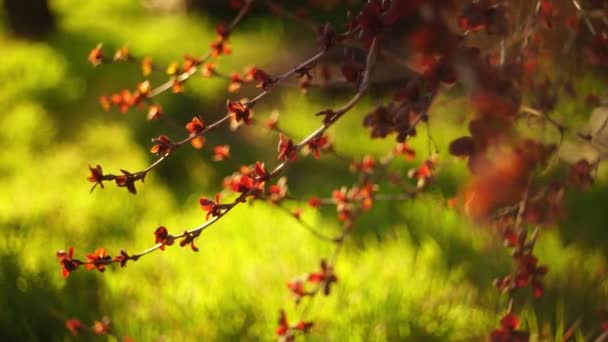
[(412, 271)]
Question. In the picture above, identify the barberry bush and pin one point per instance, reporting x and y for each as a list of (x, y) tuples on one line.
[(384, 169)]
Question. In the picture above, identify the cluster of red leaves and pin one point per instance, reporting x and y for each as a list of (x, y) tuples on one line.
[(126, 99), (424, 173), (349, 199), (409, 106), (246, 181), (528, 272), (97, 260)]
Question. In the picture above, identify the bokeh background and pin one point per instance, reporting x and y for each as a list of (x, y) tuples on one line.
[(413, 270)]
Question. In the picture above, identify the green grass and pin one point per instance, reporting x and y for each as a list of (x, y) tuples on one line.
[(412, 270)]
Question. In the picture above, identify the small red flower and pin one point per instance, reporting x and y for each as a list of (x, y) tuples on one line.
[(222, 30), (285, 332), (191, 62), (178, 86), (68, 264), (286, 148), (96, 55), (195, 126), (317, 144), (326, 277), (127, 180), (74, 326), (235, 83), (208, 69), (146, 66), (296, 287), (314, 202), (260, 170), (143, 88), (264, 80), (283, 327), (220, 47), (154, 112), (424, 172), (98, 260), (123, 258), (272, 123), (239, 112), (101, 327), (105, 103), (507, 332), (244, 184), (403, 149), (163, 146), (189, 239), (221, 152), (122, 54), (303, 326), (213, 208), (96, 176), (162, 236)]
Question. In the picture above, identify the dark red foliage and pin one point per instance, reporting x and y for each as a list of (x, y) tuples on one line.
[(462, 147), (580, 174)]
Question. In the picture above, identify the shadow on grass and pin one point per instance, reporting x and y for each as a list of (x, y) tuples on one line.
[(32, 308)]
